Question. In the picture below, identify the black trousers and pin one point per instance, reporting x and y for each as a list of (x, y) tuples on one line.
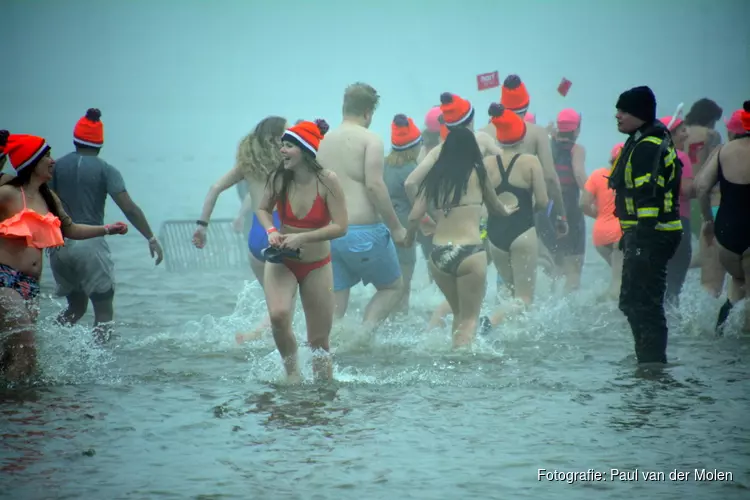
[(644, 282), (678, 266)]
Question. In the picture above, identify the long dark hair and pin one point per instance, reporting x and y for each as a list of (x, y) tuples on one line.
[(22, 179), (448, 179), (282, 178)]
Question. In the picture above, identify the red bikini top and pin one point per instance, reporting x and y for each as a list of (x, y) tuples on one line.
[(317, 217)]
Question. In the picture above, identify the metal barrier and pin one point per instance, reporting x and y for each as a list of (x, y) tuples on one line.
[(225, 248)]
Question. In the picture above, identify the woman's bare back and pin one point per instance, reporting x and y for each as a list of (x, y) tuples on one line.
[(735, 161)]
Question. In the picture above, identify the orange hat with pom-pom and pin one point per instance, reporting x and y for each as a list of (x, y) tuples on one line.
[(404, 134), (24, 150), (734, 123), (456, 111), (514, 95), (307, 135), (510, 128), (89, 130)]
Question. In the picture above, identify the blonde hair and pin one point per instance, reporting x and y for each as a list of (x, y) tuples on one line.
[(400, 158), (360, 98), (259, 152)]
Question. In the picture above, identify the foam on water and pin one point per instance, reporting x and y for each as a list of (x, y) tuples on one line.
[(173, 406), (68, 354)]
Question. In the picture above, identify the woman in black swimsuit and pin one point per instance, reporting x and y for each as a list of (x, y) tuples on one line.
[(457, 185), (730, 168), (513, 239)]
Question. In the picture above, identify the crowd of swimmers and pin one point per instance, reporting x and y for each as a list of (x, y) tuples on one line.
[(331, 209)]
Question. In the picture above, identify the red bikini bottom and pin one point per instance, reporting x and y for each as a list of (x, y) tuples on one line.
[(300, 270)]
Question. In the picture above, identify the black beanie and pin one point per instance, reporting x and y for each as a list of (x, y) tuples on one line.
[(639, 102)]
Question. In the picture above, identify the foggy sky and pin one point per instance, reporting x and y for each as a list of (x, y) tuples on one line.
[(180, 82)]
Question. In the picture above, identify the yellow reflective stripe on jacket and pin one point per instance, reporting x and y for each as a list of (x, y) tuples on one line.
[(668, 201), (674, 225), (640, 181), (671, 156), (629, 205), (645, 179), (646, 212), (628, 175)]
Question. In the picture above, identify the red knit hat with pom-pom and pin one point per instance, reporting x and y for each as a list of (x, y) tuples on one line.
[(456, 111), (307, 135), (89, 130), (514, 95), (404, 134), (510, 128), (24, 150)]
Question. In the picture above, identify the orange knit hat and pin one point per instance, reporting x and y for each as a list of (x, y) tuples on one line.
[(734, 123), (514, 95), (89, 131), (511, 129), (456, 111), (404, 134), (307, 135), (24, 150)]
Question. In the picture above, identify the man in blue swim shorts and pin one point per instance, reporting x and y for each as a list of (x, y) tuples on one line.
[(367, 252)]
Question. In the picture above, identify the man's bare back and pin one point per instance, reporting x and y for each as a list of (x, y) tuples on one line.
[(343, 151)]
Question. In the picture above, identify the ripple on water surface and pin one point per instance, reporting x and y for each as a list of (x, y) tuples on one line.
[(173, 407)]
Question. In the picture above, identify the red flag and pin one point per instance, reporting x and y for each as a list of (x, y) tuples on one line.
[(564, 87), (488, 80)]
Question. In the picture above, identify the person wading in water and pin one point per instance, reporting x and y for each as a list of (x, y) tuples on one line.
[(646, 180)]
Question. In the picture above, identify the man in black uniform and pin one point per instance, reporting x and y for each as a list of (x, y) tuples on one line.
[(646, 180)]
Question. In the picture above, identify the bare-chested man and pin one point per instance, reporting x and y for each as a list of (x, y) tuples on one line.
[(367, 252), (457, 112), (515, 97)]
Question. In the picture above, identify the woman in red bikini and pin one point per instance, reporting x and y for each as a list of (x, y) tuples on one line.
[(300, 254), (31, 219)]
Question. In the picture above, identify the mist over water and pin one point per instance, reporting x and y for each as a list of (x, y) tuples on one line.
[(180, 83), (175, 408)]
